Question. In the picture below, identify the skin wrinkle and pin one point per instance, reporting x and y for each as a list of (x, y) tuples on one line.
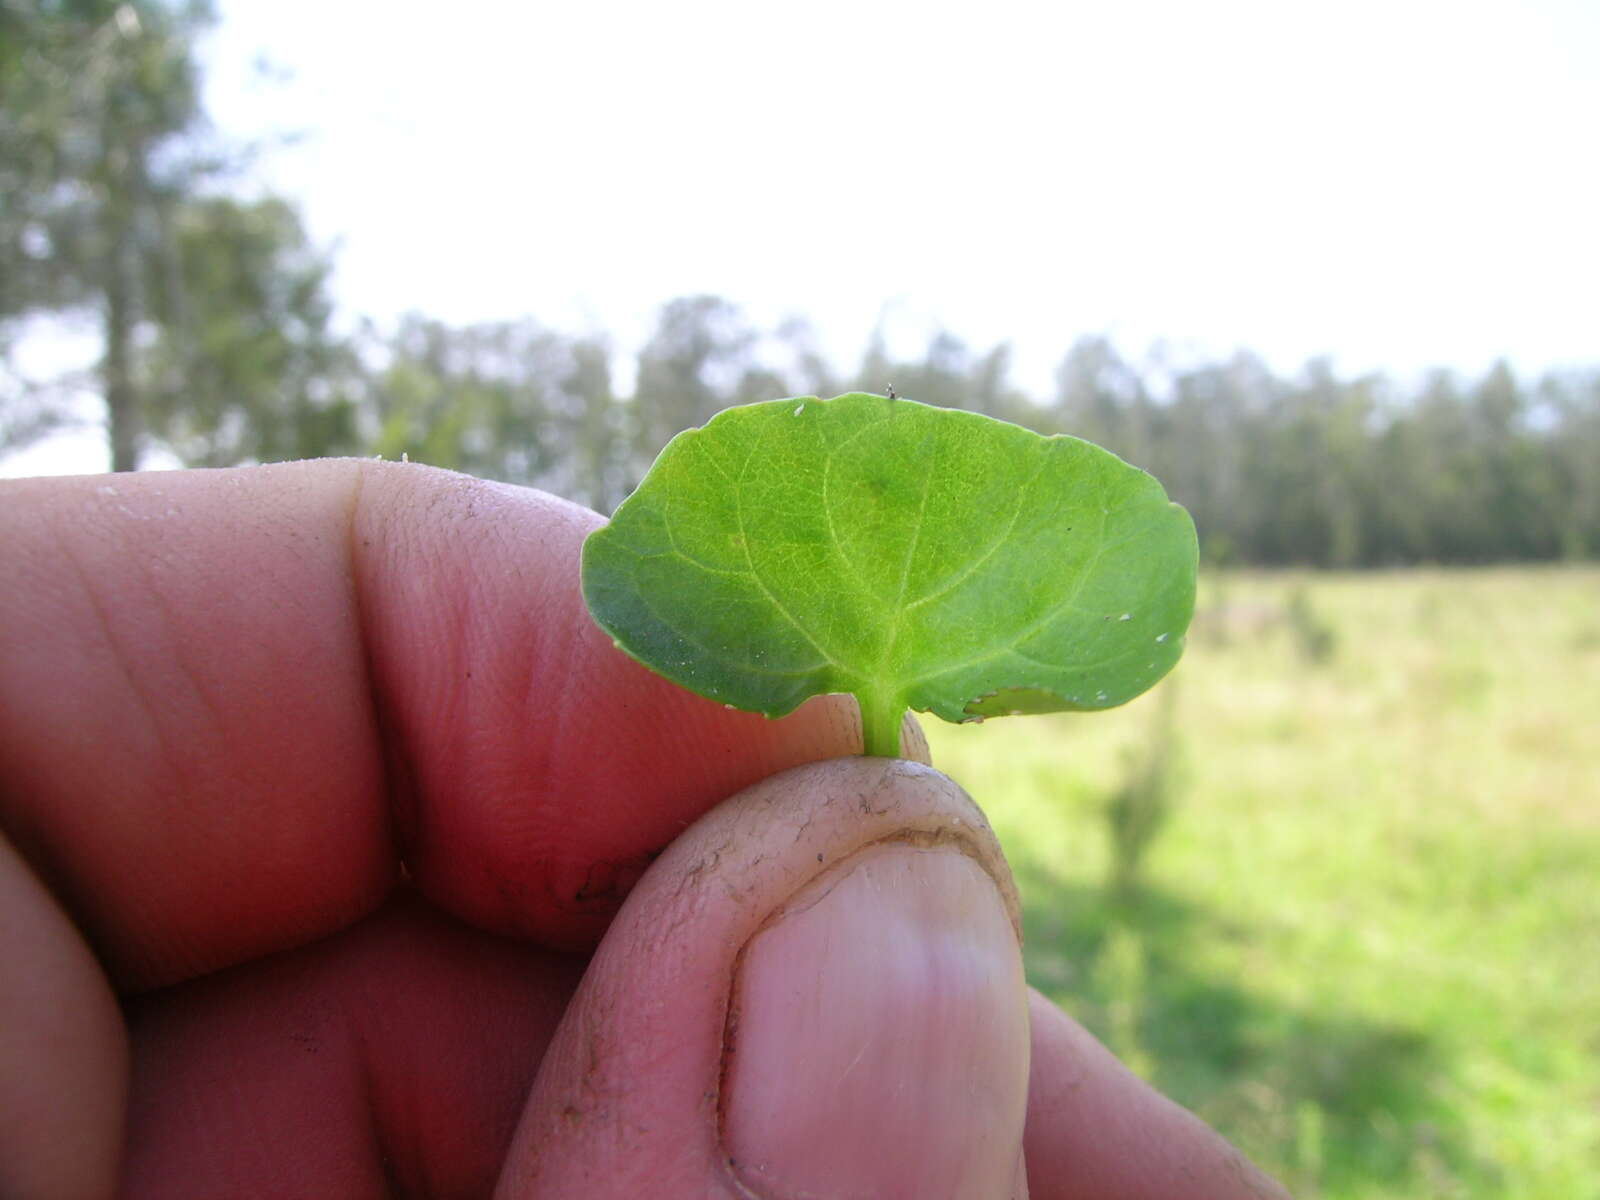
[(382, 531), (114, 652), (192, 704), (28, 836), (361, 1050), (396, 772)]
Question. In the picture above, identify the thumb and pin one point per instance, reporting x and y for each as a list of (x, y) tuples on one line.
[(816, 991)]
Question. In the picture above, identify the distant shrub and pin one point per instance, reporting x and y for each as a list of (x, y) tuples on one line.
[(1315, 639), (1141, 806)]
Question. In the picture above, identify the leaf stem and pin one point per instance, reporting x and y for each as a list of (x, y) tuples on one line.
[(880, 724)]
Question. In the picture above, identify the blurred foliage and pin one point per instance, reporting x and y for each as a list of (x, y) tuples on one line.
[(1143, 802), (1315, 639), (242, 364), (101, 143)]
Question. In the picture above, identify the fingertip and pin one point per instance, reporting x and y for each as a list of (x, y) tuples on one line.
[(542, 768), (63, 1050), (665, 1077), (1096, 1131), (913, 741), (294, 676)]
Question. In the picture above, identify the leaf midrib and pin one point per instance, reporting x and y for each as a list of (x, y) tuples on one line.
[(885, 678)]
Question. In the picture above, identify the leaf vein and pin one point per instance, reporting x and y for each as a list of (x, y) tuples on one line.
[(721, 651), (994, 547), (827, 505), (744, 544), (1029, 630), (905, 575)]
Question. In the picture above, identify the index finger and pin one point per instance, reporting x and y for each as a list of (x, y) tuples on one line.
[(234, 703)]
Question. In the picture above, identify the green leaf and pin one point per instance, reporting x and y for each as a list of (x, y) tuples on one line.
[(913, 556)]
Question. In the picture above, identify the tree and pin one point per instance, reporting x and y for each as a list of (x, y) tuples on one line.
[(692, 366), (1513, 469), (98, 139), (509, 400), (598, 443), (948, 375), (1097, 396), (1202, 452), (244, 365), (1569, 420), (811, 374)]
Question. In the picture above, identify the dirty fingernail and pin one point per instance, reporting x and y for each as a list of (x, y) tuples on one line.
[(878, 1040)]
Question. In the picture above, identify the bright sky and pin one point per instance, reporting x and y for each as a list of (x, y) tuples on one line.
[(1399, 184)]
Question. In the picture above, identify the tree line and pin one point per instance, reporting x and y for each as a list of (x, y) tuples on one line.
[(220, 346)]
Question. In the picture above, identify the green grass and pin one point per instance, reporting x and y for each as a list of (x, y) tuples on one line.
[(1366, 942)]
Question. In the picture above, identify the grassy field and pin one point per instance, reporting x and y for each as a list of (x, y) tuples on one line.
[(1365, 942)]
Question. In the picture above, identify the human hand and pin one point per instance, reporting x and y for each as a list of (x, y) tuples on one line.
[(319, 790)]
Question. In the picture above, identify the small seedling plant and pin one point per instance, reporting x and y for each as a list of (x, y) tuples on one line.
[(914, 557)]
